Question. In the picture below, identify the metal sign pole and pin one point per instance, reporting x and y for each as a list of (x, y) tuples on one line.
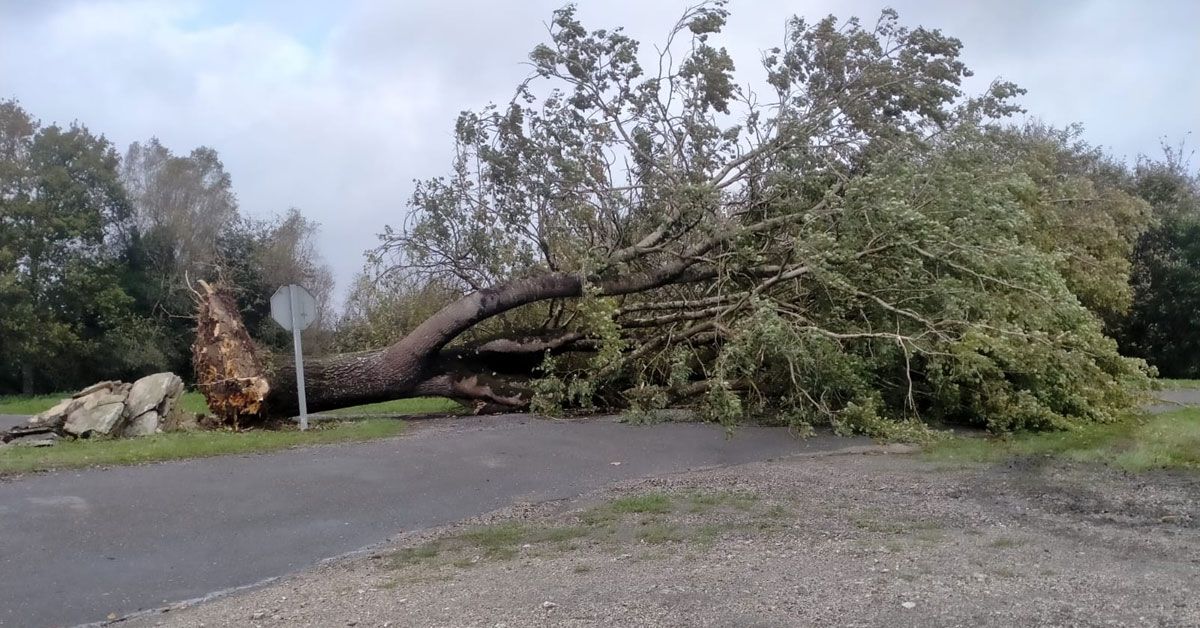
[(299, 360)]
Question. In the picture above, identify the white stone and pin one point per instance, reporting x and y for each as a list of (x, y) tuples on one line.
[(106, 386), (55, 415), (95, 418), (149, 392), (144, 425)]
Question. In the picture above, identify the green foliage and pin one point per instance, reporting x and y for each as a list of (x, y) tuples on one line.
[(1161, 325), (575, 384), (645, 400), (989, 331), (549, 394), (1082, 212), (63, 220), (868, 248), (381, 311)]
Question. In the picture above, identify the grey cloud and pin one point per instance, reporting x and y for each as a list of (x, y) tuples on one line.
[(335, 108)]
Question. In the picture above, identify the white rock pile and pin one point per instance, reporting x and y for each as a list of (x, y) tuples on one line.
[(147, 406)]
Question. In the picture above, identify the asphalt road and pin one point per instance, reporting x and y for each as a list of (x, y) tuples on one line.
[(8, 421), (76, 546), (1175, 399)]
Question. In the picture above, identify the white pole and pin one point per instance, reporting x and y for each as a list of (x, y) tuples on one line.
[(299, 360)]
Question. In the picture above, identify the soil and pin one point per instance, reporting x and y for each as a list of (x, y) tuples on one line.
[(847, 540)]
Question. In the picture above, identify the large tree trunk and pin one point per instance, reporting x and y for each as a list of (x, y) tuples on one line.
[(244, 387)]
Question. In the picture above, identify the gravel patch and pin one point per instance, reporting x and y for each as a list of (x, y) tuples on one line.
[(849, 540)]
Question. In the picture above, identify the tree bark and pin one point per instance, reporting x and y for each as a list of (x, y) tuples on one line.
[(243, 387)]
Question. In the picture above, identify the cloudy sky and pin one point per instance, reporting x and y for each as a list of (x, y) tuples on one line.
[(335, 107)]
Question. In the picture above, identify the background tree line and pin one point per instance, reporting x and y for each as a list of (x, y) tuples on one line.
[(97, 252)]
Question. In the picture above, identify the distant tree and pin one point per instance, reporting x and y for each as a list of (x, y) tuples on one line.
[(189, 228), (64, 223), (96, 256), (181, 204), (257, 256), (290, 255), (381, 310), (1163, 325)]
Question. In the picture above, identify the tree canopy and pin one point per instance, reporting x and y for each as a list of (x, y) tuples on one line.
[(1162, 321), (63, 214)]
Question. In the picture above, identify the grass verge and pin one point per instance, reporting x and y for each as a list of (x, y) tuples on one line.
[(1179, 384), (194, 402), (175, 446), (1165, 441), (33, 404), (633, 521), (28, 404), (416, 405)]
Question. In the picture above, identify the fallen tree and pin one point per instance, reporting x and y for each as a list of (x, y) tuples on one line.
[(862, 247)]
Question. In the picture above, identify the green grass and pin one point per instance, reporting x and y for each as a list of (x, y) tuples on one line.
[(175, 446), (28, 404), (416, 405), (33, 404), (1179, 384), (662, 533), (500, 541), (657, 503), (1165, 441), (194, 402), (609, 513), (627, 522), (701, 502)]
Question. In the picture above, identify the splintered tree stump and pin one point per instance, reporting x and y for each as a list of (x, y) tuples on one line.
[(229, 372)]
